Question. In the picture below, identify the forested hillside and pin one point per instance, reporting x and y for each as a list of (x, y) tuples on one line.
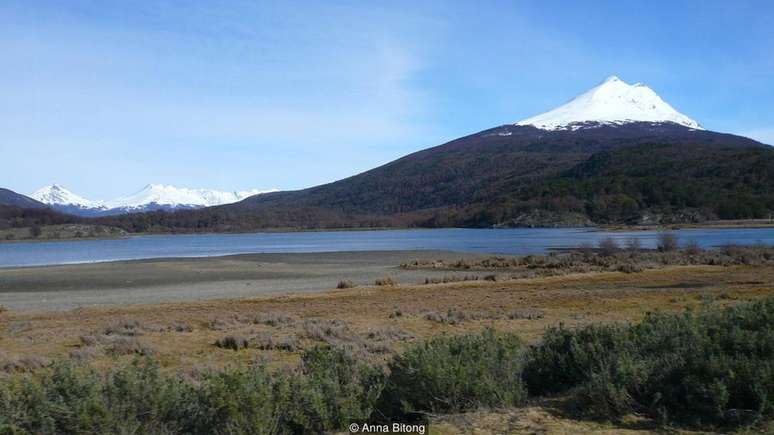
[(520, 176)]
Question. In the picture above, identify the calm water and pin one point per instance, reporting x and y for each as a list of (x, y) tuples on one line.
[(500, 241)]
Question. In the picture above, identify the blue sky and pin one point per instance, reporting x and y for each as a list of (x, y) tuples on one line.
[(105, 97)]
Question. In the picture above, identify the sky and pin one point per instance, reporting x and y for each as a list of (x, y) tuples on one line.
[(106, 97)]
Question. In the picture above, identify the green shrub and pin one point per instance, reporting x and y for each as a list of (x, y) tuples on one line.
[(453, 374), (714, 367), (566, 358), (67, 399), (335, 390), (240, 400)]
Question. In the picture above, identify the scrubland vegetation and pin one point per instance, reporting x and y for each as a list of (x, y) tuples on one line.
[(711, 369), (60, 232), (608, 256)]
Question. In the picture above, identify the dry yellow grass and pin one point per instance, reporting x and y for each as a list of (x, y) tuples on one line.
[(538, 420), (571, 299)]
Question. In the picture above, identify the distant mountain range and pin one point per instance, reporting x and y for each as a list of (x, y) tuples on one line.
[(617, 153), (152, 197)]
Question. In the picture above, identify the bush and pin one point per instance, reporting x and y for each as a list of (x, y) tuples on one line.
[(67, 399), (331, 392), (667, 242), (273, 319), (241, 400), (233, 342), (565, 358), (453, 316), (345, 284), (715, 367), (335, 390), (608, 247), (692, 247), (586, 249), (450, 278), (181, 327), (325, 330), (453, 374), (268, 341), (126, 327), (122, 345), (387, 281)]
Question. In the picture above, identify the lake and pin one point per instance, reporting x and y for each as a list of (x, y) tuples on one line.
[(495, 241)]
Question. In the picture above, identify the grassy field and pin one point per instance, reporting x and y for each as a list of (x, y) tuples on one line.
[(376, 322), (183, 334)]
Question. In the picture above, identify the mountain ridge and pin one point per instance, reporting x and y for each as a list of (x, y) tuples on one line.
[(10, 198), (149, 198)]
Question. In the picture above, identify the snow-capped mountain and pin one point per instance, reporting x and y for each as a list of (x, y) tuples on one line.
[(59, 195), (162, 195), (612, 102), (151, 197)]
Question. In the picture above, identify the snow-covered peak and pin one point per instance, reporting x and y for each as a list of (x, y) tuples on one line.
[(151, 197), (172, 196), (613, 101), (59, 195)]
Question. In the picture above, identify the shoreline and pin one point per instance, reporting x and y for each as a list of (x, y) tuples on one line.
[(731, 224), (150, 281)]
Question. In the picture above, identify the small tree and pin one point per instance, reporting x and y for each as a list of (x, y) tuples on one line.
[(667, 242), (633, 245), (36, 231), (692, 247), (608, 247), (586, 248)]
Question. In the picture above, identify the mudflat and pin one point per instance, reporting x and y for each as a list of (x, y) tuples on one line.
[(189, 279)]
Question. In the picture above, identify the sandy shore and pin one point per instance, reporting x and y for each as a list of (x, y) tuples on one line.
[(190, 279)]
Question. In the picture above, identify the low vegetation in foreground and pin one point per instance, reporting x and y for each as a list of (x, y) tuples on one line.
[(710, 369)]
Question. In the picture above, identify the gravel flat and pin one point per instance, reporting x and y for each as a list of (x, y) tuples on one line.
[(187, 279)]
